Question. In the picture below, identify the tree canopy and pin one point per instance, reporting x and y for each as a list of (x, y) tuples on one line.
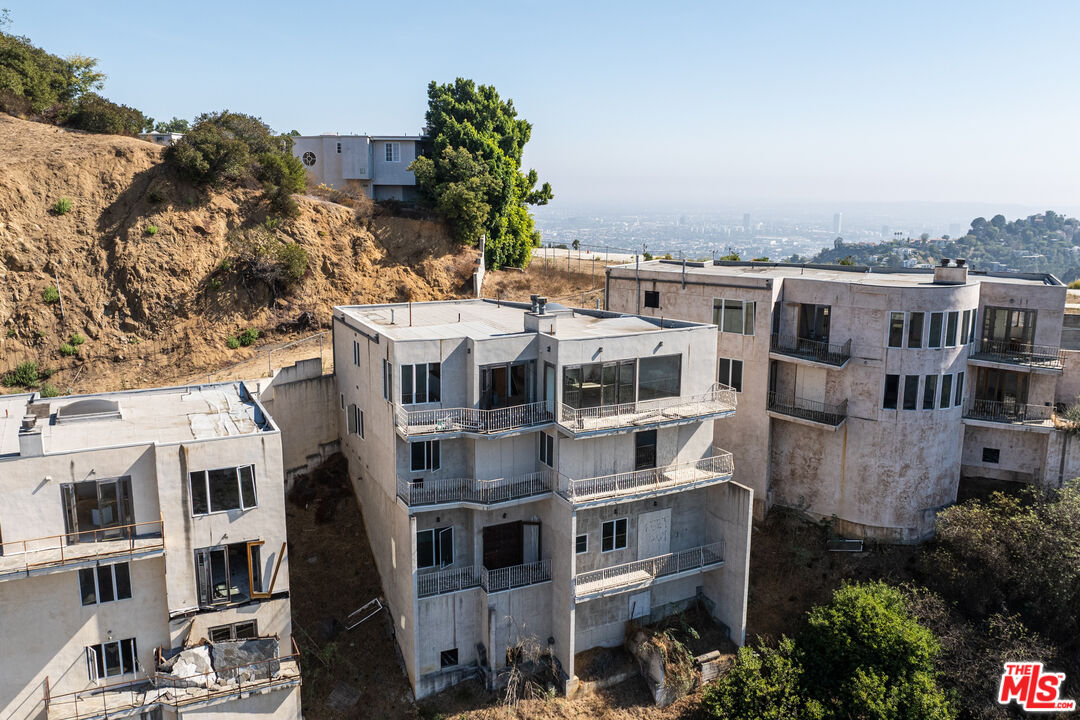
[(472, 170)]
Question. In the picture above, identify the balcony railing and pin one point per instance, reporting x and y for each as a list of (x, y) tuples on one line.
[(1010, 412), (1008, 351), (598, 582), (815, 350), (22, 557), (491, 581), (470, 420), (641, 481), (166, 690), (811, 410), (718, 399), (435, 491)]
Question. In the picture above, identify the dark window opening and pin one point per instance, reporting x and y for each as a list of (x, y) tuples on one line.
[(613, 536), (911, 392), (915, 330), (645, 450), (448, 658), (652, 298), (991, 455), (581, 544), (96, 511), (227, 574), (892, 389)]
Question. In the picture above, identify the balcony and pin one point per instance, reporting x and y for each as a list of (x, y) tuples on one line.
[(812, 351), (653, 481), (469, 421), (20, 558), (477, 576), (169, 691), (718, 401), (642, 573), (1034, 357), (1011, 413), (807, 411), (469, 491)]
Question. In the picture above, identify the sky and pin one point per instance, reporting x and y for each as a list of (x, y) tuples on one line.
[(678, 105)]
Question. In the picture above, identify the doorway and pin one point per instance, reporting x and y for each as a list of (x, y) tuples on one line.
[(512, 543)]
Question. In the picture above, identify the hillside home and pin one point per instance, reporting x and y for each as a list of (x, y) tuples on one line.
[(376, 165)]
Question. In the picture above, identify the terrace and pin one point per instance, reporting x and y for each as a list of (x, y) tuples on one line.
[(642, 573), (718, 401), (450, 422), (813, 351), (478, 576), (21, 558), (620, 487), (470, 491)]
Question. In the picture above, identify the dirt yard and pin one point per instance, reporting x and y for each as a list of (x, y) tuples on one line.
[(580, 286)]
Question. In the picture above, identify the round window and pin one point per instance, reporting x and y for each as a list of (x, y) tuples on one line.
[(309, 158)]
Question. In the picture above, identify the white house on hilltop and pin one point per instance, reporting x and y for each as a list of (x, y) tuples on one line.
[(378, 165)]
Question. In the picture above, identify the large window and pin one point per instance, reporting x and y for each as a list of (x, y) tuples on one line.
[(915, 330), (105, 583), (597, 384), (393, 152), (421, 383), (435, 547), (1009, 325), (613, 536), (911, 392), (547, 449), (425, 455), (645, 449), (111, 659), (730, 373), (96, 511), (659, 377), (934, 341), (950, 328), (929, 392), (507, 384), (946, 391), (228, 573), (896, 329), (892, 390), (223, 489), (734, 316)]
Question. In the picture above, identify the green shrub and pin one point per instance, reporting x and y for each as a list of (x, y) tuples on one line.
[(34, 81), (76, 339), (1074, 285), (49, 391), (232, 343), (248, 337), (67, 350), (95, 114), (214, 284), (293, 260), (50, 294), (62, 206), (765, 684), (25, 375), (264, 256), (208, 156), (225, 265), (11, 332), (281, 175), (151, 230)]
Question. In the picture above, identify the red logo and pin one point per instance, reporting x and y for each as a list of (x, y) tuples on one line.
[(1032, 689)]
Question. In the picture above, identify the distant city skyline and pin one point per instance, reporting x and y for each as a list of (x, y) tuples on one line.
[(682, 107)]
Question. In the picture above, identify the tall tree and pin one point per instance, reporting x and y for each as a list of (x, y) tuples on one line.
[(472, 170)]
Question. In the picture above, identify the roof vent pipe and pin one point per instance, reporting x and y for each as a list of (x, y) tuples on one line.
[(960, 262), (944, 262), (541, 305), (532, 299)]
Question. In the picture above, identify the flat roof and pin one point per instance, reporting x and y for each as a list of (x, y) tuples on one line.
[(480, 319), (160, 415), (860, 274)]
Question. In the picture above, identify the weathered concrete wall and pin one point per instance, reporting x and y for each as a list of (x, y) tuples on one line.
[(731, 518), (1062, 459), (1067, 388), (1022, 458), (304, 403), (277, 705)]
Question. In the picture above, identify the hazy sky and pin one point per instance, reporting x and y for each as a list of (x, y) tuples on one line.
[(657, 105)]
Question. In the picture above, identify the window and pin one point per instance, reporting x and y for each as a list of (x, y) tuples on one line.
[(356, 421), (929, 392), (911, 392), (111, 659), (387, 380), (236, 631), (991, 455), (659, 377), (644, 449), (730, 373), (356, 353), (934, 341), (105, 583), (224, 489), (734, 316), (652, 298), (425, 455), (896, 329), (421, 383), (614, 535), (228, 573), (964, 332), (950, 328), (435, 547), (892, 388), (339, 148), (915, 330), (342, 401), (973, 325), (1016, 327), (581, 544), (448, 658), (598, 384), (547, 449), (959, 390), (393, 152), (96, 511), (946, 391)]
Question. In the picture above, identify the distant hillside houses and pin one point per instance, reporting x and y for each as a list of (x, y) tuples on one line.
[(377, 165)]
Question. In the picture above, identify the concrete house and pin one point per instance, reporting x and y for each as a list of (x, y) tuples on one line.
[(162, 138), (537, 472), (866, 394), (377, 165), (142, 565)]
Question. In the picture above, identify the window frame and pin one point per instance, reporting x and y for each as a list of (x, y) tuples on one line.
[(930, 389), (918, 342), (958, 390), (94, 573), (914, 394), (355, 420), (231, 628), (388, 380), (432, 456), (392, 152), (239, 486), (747, 310), (356, 353), (428, 376), (614, 523), (578, 540), (952, 327), (933, 343), (894, 378), (730, 379), (945, 391), (546, 450), (96, 662), (437, 534), (893, 328)]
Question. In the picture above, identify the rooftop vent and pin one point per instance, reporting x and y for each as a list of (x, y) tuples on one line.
[(946, 274), (89, 409)]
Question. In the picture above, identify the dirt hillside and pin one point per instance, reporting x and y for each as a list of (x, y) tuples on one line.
[(156, 307)]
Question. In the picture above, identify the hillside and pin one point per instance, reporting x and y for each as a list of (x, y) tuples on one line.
[(158, 307)]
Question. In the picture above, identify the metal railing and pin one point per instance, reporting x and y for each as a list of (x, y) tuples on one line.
[(815, 350), (434, 491), (638, 571), (1016, 353), (490, 581), (717, 399), (471, 420), (169, 691), (1009, 412), (807, 409), (636, 481), (25, 556)]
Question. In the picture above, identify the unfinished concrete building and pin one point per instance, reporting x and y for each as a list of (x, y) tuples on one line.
[(537, 472), (142, 566), (866, 394)]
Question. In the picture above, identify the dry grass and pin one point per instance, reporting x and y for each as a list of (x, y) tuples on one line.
[(582, 286)]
